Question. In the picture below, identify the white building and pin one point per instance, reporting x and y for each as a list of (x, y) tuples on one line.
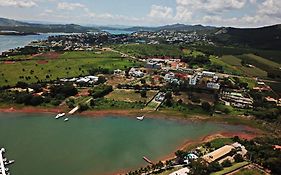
[(213, 85), (136, 73), (208, 74), (193, 80)]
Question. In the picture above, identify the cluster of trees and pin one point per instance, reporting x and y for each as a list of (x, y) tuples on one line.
[(99, 70), (63, 91), (262, 152), (101, 90), (200, 60)]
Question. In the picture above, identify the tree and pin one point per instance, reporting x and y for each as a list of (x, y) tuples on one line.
[(238, 158), (214, 167), (83, 107), (226, 163), (143, 94), (206, 106)]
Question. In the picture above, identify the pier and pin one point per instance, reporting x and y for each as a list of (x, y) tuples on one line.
[(4, 161), (2, 165)]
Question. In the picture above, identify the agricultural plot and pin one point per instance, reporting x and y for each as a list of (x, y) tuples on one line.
[(64, 67)]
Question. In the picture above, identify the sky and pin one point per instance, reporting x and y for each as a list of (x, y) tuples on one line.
[(235, 13)]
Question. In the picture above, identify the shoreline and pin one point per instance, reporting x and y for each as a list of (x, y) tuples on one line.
[(247, 133)]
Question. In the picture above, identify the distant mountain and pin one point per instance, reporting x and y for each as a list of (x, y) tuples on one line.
[(13, 25), (173, 27), (264, 38), (11, 22)]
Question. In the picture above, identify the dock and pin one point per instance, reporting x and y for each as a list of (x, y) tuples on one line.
[(147, 160), (2, 165)]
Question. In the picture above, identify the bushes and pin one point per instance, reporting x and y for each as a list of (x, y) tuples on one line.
[(63, 90), (101, 91), (226, 163)]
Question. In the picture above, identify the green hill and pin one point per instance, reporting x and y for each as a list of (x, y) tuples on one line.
[(263, 38)]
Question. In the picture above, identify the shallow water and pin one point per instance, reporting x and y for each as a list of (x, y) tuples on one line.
[(43, 145)]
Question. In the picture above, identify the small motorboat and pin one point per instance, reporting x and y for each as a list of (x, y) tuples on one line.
[(60, 115), (140, 118), (66, 119)]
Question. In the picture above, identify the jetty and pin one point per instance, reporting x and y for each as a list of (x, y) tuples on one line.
[(4, 161), (2, 164), (147, 160)]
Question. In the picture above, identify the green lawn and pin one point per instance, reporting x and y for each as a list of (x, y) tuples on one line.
[(217, 143), (130, 95), (230, 169), (63, 67), (250, 172)]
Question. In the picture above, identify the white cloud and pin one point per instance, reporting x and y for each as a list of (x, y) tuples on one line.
[(18, 3), (157, 11), (70, 6), (212, 6)]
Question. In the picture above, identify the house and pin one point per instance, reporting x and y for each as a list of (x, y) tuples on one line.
[(223, 152), (183, 171), (193, 80), (153, 65), (118, 72), (208, 74), (212, 85), (136, 73), (237, 99), (190, 157), (218, 154)]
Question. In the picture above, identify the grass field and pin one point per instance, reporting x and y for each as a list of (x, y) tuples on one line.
[(130, 95), (149, 50), (230, 169), (227, 67), (69, 64), (261, 63), (235, 63)]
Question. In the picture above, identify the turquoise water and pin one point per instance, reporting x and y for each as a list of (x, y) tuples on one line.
[(42, 145)]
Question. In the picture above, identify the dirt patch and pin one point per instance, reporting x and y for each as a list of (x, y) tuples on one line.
[(49, 55), (42, 62), (9, 62)]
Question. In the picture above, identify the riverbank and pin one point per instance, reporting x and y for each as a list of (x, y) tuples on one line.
[(171, 115)]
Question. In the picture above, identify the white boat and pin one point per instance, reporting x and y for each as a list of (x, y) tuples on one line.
[(140, 118), (60, 115), (66, 119)]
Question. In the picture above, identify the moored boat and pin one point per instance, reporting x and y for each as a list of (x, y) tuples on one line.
[(140, 118), (60, 115)]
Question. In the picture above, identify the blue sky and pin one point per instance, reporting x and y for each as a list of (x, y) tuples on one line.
[(236, 13)]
